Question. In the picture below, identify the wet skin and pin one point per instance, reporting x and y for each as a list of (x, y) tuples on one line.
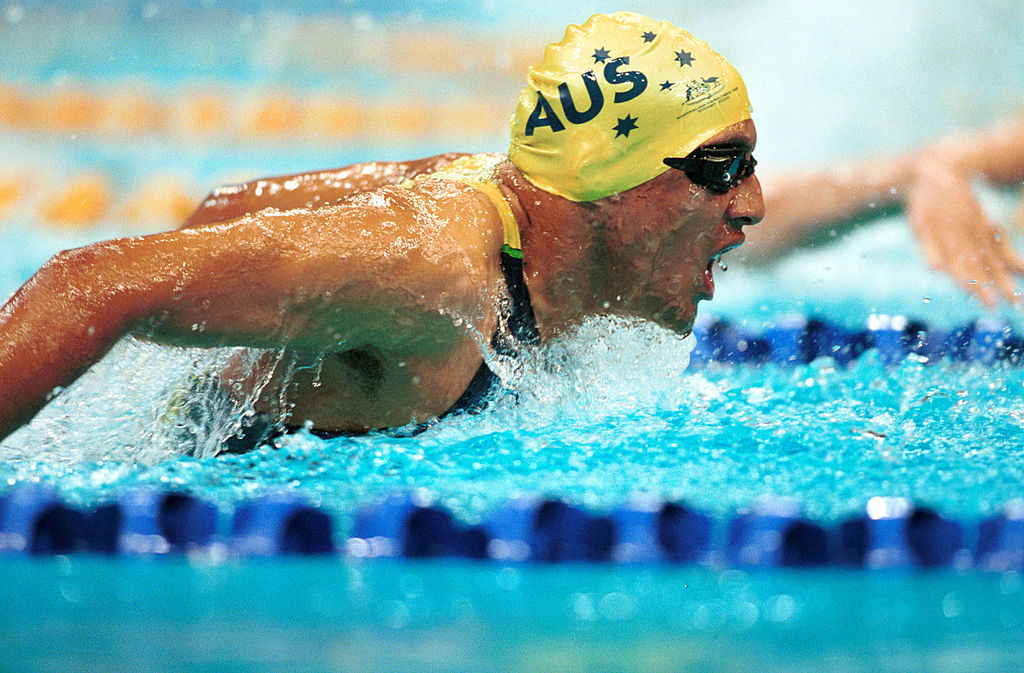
[(671, 237), (380, 296), (646, 252)]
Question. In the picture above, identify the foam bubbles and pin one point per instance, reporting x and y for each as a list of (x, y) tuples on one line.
[(606, 367), (142, 404)]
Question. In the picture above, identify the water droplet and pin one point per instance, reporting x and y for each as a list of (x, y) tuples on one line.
[(722, 265), (926, 300), (362, 22), (15, 13), (952, 605)]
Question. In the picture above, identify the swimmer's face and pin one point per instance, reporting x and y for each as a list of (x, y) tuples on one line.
[(665, 235)]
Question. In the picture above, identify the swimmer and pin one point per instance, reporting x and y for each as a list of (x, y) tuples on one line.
[(932, 184), (629, 174)]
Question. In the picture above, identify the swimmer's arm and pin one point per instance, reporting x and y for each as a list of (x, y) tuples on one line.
[(309, 190), (66, 317), (933, 185), (306, 281), (799, 206), (996, 154), (955, 233)]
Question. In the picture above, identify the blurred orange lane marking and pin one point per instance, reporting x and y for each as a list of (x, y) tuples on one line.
[(79, 203)]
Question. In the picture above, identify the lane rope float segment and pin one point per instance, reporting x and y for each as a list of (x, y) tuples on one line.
[(795, 340), (889, 533)]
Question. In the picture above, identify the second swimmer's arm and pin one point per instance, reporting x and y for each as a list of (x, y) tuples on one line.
[(931, 184), (309, 190), (799, 205)]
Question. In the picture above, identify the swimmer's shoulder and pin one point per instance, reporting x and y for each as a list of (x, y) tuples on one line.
[(310, 189), (467, 189)]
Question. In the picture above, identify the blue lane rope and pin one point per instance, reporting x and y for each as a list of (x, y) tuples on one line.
[(890, 533), (799, 340)]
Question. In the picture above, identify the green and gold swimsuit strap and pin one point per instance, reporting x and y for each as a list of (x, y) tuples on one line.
[(477, 171)]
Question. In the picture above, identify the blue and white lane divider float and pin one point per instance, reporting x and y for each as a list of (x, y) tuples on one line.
[(799, 340), (890, 533)]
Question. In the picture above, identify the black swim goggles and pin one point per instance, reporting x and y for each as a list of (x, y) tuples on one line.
[(718, 169)]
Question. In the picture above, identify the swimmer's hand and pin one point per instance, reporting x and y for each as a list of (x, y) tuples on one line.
[(956, 235)]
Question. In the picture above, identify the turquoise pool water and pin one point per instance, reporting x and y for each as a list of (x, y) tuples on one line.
[(610, 413), (300, 616)]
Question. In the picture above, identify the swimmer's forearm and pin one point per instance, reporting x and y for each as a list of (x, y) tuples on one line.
[(996, 153), (313, 281), (81, 302), (309, 190), (58, 324), (799, 205)]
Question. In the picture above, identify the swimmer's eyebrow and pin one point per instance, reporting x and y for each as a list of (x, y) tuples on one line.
[(738, 141), (736, 144)]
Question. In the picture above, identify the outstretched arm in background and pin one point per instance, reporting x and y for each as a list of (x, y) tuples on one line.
[(933, 185)]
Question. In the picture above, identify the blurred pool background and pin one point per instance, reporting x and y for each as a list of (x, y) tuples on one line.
[(116, 118)]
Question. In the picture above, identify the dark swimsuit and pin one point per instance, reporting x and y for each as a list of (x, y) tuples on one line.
[(521, 324)]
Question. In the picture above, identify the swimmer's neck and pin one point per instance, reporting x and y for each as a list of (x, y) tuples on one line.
[(565, 253)]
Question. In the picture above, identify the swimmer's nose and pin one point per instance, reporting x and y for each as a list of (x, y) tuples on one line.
[(746, 207)]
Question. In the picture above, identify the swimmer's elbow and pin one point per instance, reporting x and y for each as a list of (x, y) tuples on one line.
[(68, 270), (100, 283), (76, 261), (77, 265)]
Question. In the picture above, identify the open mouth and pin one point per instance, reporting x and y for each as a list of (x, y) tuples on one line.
[(709, 278)]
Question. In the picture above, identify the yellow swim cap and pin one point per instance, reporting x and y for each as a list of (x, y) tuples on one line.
[(614, 98)]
